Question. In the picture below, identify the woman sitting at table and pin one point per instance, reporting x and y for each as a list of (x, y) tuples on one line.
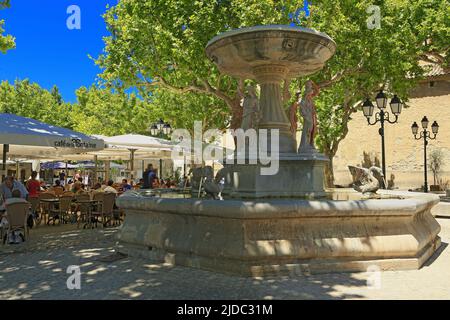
[(77, 187), (69, 185), (57, 188)]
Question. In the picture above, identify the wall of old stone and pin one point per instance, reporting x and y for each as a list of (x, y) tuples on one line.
[(404, 155)]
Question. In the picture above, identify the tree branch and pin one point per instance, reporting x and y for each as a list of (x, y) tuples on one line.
[(338, 76), (204, 88)]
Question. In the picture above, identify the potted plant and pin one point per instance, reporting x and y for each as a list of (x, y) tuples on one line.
[(435, 163)]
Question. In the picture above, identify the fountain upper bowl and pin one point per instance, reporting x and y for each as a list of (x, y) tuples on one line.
[(299, 51)]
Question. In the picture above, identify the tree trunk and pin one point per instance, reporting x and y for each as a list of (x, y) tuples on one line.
[(329, 173)]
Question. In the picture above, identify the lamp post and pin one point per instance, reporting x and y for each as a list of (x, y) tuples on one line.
[(160, 129), (425, 135), (382, 116)]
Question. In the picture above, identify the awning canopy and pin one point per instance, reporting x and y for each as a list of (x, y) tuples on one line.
[(120, 148), (54, 165), (35, 139), (59, 165), (136, 141)]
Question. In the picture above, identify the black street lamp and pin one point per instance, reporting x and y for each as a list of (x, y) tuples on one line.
[(425, 135), (160, 128), (382, 116)]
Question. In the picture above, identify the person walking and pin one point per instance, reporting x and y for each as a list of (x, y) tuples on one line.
[(148, 177)]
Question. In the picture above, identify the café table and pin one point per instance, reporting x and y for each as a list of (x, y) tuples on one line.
[(52, 204), (89, 205)]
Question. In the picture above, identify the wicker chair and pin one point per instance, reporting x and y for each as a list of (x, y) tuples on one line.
[(58, 191), (17, 214), (63, 211), (35, 208), (82, 209), (106, 210), (45, 206)]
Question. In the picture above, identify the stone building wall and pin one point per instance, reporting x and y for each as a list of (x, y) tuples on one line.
[(404, 155)]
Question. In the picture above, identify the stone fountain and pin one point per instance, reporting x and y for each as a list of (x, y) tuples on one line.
[(271, 55), (254, 233)]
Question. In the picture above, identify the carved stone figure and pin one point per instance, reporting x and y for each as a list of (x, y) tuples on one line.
[(308, 112), (364, 179), (203, 177), (250, 117), (198, 174), (293, 118), (213, 188)]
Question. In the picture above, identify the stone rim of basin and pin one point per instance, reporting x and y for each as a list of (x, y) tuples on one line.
[(272, 27), (288, 51)]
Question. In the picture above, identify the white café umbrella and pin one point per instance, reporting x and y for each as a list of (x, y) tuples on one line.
[(26, 137), (128, 147)]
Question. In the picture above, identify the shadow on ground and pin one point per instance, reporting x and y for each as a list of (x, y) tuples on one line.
[(38, 270)]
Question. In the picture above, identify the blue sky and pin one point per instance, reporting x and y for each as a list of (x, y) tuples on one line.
[(47, 52)]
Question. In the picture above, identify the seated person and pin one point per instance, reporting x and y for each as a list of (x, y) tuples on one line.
[(57, 188), (109, 187), (140, 184), (77, 187), (83, 186), (125, 186), (10, 184), (69, 185), (97, 187), (43, 185)]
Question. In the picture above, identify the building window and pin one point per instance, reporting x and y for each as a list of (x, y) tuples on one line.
[(431, 84)]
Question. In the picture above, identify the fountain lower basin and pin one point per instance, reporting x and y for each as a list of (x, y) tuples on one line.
[(282, 237)]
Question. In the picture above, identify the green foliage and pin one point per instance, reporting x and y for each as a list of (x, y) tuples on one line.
[(100, 111), (182, 110), (30, 100), (149, 47), (6, 42)]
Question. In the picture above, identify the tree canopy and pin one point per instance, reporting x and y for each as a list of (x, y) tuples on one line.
[(6, 41), (101, 111), (97, 110), (160, 43), (30, 100)]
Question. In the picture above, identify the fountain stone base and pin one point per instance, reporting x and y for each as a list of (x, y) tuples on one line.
[(300, 176), (281, 237)]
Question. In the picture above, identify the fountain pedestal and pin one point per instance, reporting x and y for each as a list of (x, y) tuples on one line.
[(271, 55), (299, 176)]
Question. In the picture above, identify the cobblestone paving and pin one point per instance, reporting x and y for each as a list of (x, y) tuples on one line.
[(37, 270)]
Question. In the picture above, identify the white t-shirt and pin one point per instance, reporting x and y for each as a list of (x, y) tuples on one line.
[(110, 189), (14, 200)]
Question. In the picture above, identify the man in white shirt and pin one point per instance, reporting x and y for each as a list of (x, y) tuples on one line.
[(110, 188), (10, 185)]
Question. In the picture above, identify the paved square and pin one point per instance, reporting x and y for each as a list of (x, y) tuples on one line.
[(37, 270)]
